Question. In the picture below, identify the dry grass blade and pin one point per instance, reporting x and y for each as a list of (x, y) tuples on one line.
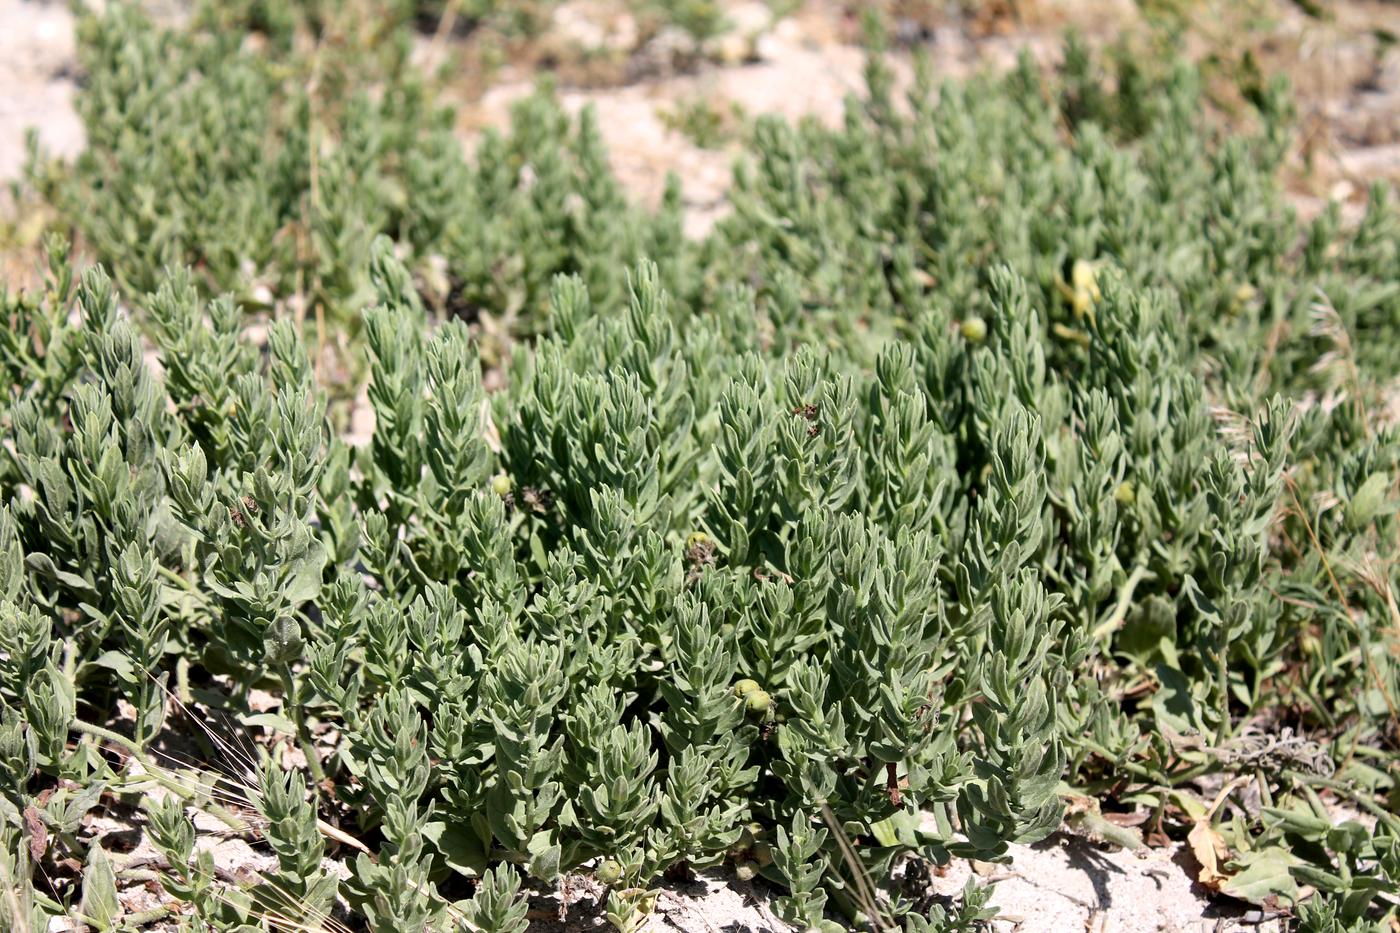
[(860, 879)]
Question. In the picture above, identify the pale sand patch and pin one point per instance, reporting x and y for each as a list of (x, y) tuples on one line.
[(37, 66)]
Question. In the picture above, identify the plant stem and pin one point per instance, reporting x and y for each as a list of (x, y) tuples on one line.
[(1132, 767), (155, 771), (144, 917), (298, 717), (182, 682), (1222, 665), (1341, 787), (1120, 608), (185, 585)]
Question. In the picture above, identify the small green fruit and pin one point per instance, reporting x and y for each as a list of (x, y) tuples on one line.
[(609, 872), (1241, 299), (696, 539), (1125, 494), (974, 330), (745, 871), (744, 687), (501, 484), (758, 702), (763, 854)]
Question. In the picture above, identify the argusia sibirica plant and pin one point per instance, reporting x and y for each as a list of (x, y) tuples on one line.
[(270, 167), (979, 477), (913, 201), (719, 600)]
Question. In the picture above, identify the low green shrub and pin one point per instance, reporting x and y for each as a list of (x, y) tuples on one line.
[(542, 201), (268, 168), (905, 206), (714, 599), (989, 470)]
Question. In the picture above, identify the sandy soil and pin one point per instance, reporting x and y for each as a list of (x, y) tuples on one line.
[(1346, 77), (804, 66), (37, 81), (1062, 885), (1069, 884)]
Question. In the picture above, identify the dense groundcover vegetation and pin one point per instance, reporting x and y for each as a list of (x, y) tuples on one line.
[(1008, 460), (269, 168)]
